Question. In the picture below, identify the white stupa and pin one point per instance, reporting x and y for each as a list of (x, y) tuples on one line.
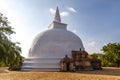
[(50, 46)]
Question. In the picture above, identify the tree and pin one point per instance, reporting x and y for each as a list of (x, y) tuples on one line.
[(94, 55), (9, 51), (112, 54)]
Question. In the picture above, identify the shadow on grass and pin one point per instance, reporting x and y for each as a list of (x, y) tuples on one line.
[(4, 71), (111, 71)]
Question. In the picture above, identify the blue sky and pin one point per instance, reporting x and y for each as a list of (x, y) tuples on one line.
[(96, 22)]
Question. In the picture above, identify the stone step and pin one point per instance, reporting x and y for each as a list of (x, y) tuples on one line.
[(41, 69), (41, 65), (42, 60)]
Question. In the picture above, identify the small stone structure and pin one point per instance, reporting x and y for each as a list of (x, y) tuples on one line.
[(66, 64), (96, 64), (79, 61)]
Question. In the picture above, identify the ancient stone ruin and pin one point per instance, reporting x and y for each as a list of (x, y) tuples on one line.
[(79, 62)]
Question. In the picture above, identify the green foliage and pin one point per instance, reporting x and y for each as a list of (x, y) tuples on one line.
[(94, 55), (9, 51), (111, 54)]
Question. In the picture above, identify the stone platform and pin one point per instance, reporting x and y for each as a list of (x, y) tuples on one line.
[(41, 64)]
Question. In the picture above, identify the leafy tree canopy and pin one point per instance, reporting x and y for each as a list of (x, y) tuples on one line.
[(9, 51), (112, 53)]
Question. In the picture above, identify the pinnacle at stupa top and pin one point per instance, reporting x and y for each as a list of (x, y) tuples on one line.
[(56, 24), (57, 16)]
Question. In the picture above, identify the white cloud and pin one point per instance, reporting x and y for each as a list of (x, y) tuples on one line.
[(72, 9), (65, 13), (92, 44), (52, 11)]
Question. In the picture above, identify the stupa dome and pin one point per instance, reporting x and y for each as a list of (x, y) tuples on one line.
[(55, 42)]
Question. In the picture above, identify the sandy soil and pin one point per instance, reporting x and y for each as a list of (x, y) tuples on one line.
[(105, 74)]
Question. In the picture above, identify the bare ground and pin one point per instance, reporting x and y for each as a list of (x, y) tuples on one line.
[(106, 74)]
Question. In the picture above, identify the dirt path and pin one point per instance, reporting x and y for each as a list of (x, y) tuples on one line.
[(105, 74)]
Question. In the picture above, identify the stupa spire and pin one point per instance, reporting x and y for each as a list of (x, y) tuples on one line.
[(57, 16)]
